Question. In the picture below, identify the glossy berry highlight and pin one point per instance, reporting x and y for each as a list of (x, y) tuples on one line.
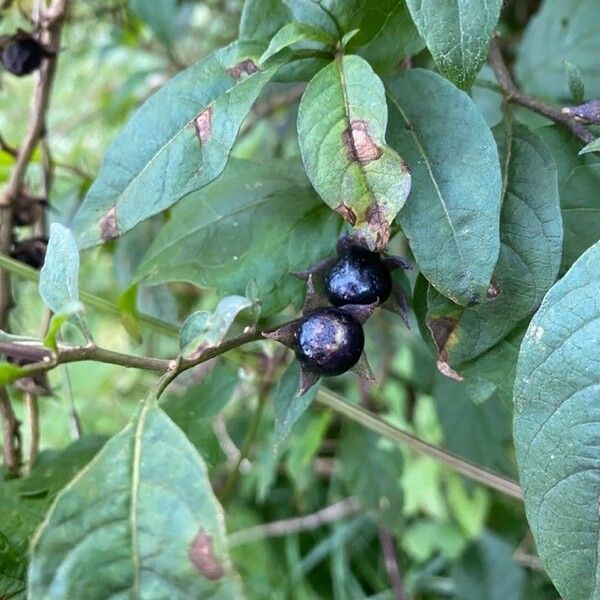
[(358, 277), (328, 341)]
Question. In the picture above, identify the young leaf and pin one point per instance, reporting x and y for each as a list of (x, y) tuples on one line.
[(341, 131), (204, 329), (289, 407), (163, 523), (176, 143), (452, 217), (575, 82), (557, 426), (59, 277), (293, 33), (58, 320), (457, 34), (531, 242), (220, 237), (591, 147), (9, 372), (561, 30)]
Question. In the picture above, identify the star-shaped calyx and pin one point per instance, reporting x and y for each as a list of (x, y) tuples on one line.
[(327, 340)]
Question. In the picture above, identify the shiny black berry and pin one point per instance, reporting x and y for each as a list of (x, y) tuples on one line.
[(328, 341), (358, 277), (22, 56)]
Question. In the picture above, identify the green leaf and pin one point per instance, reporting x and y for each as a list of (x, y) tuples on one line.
[(262, 19), (457, 34), (591, 147), (176, 143), (452, 216), (480, 432), (363, 454), (293, 33), (164, 524), (581, 211), (396, 39), (562, 30), (493, 372), (531, 241), (557, 425), (575, 82), (159, 15), (127, 303), (341, 131), (194, 410), (289, 407), (59, 277), (23, 503), (204, 329), (9, 372), (488, 570), (221, 236)]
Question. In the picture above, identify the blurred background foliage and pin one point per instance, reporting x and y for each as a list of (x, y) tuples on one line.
[(454, 539)]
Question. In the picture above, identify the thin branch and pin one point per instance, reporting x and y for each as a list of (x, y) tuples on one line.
[(45, 360), (529, 561), (335, 512), (51, 25), (388, 548), (11, 434), (172, 368), (6, 147), (33, 422), (464, 467), (513, 94)]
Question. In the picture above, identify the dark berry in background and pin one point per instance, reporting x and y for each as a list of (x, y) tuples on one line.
[(22, 57), (328, 341), (358, 277), (32, 252)]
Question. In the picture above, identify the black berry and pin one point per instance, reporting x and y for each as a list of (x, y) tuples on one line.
[(328, 341), (358, 277), (22, 56), (32, 252)]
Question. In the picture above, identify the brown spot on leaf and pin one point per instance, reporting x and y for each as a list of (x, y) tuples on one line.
[(379, 225), (202, 555), (203, 125), (441, 330), (346, 213), (109, 226), (359, 145), (445, 369), (246, 67)]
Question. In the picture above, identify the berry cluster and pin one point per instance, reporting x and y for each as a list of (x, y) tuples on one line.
[(329, 340)]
